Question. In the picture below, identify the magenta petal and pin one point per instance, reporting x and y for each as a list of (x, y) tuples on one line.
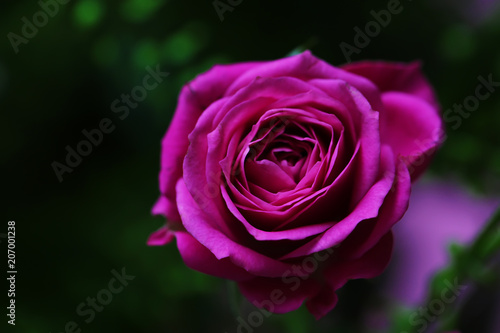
[(160, 237), (412, 127), (200, 226), (367, 208), (194, 98), (263, 235), (165, 207), (202, 162), (268, 176), (400, 77), (204, 183), (323, 302), (279, 295), (306, 66), (198, 257), (370, 265), (369, 232)]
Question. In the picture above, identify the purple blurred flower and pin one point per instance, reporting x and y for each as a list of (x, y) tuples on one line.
[(476, 11), (439, 213)]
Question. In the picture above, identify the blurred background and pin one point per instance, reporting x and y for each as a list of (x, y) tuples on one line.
[(63, 64)]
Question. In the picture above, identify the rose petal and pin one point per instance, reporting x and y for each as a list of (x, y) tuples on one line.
[(367, 130), (276, 296), (269, 176), (263, 235), (369, 232), (370, 265), (400, 77), (200, 226), (305, 66), (413, 129), (366, 209), (160, 237), (165, 207), (193, 99), (198, 257)]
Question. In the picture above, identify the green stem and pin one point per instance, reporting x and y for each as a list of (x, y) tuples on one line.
[(488, 242), (471, 264), (234, 298)]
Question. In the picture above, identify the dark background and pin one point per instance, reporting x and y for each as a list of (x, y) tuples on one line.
[(70, 235)]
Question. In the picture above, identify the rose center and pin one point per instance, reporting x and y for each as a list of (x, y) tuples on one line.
[(281, 152)]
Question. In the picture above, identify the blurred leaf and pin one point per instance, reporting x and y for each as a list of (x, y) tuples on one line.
[(311, 42), (458, 43), (146, 54), (182, 46), (140, 10), (105, 51), (88, 13)]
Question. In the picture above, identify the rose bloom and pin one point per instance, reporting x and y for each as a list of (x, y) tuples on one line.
[(287, 176)]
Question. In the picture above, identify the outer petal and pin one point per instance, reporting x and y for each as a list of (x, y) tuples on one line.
[(370, 265), (368, 134), (368, 233), (198, 257), (161, 236), (285, 294), (368, 208), (306, 66), (165, 207), (410, 120), (198, 224), (280, 295), (412, 127), (400, 77), (194, 98)]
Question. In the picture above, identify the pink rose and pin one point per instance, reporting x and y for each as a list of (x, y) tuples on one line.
[(287, 176)]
